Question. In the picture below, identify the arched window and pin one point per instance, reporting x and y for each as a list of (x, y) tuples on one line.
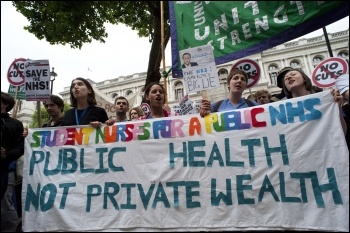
[(272, 67), (343, 54), (273, 70), (317, 59), (114, 95), (129, 92), (295, 63), (222, 72), (179, 90)]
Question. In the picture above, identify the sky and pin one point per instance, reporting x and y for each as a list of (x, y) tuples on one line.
[(124, 52)]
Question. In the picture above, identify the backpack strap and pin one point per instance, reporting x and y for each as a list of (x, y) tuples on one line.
[(249, 102), (217, 105)]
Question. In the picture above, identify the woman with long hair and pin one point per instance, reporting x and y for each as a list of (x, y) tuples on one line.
[(296, 83), (84, 110), (155, 94)]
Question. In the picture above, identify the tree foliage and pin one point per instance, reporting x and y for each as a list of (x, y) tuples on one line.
[(79, 22), (44, 116)]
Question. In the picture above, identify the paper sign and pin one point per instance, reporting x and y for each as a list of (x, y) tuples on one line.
[(199, 69), (37, 80), (328, 71), (21, 93), (15, 74), (186, 105)]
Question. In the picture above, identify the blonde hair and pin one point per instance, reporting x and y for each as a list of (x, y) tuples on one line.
[(138, 110), (261, 92)]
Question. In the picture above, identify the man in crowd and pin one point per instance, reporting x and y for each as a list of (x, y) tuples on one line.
[(12, 147), (54, 107), (262, 96), (121, 108)]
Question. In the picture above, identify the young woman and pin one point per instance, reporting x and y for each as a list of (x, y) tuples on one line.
[(135, 113), (236, 84), (155, 94), (296, 83), (84, 110)]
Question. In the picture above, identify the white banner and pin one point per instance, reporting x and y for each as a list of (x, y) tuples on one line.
[(284, 165)]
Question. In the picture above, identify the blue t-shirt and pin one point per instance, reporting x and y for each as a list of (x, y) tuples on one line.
[(226, 105)]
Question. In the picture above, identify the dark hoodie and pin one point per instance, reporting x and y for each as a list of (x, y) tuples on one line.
[(13, 141)]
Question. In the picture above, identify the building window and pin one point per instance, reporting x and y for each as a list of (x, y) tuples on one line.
[(317, 59), (272, 67), (114, 95), (223, 80), (295, 64), (343, 54), (273, 78), (222, 72), (129, 92), (179, 91)]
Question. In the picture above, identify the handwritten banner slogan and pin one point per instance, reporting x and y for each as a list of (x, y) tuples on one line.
[(237, 29), (284, 165)]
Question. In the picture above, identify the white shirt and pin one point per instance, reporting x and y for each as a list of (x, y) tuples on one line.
[(342, 83)]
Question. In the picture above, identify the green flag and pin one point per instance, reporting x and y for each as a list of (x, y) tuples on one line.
[(237, 29)]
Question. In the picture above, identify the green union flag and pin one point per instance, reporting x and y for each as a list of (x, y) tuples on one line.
[(237, 29), (21, 94)]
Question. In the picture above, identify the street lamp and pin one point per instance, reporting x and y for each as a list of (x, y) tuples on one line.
[(52, 74)]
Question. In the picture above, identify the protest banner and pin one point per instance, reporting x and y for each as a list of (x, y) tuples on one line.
[(37, 80), (105, 102), (282, 165), (237, 29)]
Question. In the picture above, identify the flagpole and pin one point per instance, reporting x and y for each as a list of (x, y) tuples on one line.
[(163, 56), (325, 33)]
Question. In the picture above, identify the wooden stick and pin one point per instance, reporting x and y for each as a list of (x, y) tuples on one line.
[(204, 95), (15, 110), (163, 48)]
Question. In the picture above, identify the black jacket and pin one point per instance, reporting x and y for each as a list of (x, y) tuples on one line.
[(11, 139), (93, 113)]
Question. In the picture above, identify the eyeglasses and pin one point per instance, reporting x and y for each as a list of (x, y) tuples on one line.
[(262, 97)]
